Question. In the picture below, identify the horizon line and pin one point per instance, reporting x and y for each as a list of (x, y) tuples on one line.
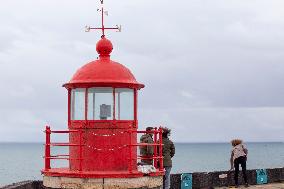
[(177, 142)]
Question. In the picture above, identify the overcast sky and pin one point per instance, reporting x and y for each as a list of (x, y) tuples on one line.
[(213, 69)]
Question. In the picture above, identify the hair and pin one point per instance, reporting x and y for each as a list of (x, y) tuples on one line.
[(166, 132), (149, 128), (236, 142)]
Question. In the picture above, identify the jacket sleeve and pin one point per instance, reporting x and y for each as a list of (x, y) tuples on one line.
[(173, 150), (245, 150)]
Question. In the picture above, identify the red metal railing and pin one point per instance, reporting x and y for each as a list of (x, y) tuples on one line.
[(157, 156), (157, 143), (48, 144)]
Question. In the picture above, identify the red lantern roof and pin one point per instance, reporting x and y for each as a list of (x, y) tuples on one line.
[(103, 72)]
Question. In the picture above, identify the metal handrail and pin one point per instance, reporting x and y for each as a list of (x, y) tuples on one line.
[(48, 144), (64, 144), (69, 131), (157, 156), (156, 144), (150, 157), (145, 144)]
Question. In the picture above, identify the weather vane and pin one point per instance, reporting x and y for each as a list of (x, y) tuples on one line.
[(103, 28)]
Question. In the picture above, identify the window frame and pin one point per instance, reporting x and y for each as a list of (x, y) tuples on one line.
[(86, 90)]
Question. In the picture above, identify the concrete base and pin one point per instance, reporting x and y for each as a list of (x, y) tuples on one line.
[(145, 182)]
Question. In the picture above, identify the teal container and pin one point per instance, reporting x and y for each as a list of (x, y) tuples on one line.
[(261, 176), (186, 181)]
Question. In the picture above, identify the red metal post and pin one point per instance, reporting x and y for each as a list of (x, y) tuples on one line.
[(114, 104), (69, 107), (72, 104), (161, 149), (135, 108), (80, 150), (118, 106), (155, 147), (86, 104), (47, 148), (130, 151)]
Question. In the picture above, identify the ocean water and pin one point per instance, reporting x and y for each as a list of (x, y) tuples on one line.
[(23, 161)]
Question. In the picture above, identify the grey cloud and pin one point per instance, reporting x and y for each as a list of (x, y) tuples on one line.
[(207, 64)]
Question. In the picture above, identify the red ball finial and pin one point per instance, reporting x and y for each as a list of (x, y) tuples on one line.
[(104, 46)]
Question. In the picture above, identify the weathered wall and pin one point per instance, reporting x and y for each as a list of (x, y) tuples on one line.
[(211, 179), (25, 185), (200, 180)]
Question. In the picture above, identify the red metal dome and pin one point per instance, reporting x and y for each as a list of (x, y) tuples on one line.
[(103, 72), (104, 47)]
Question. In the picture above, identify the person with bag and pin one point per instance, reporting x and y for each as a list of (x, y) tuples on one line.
[(239, 157), (147, 151)]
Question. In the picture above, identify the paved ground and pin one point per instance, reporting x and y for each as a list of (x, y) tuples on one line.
[(265, 186)]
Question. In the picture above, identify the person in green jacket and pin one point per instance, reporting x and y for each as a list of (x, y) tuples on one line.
[(168, 154), (147, 151)]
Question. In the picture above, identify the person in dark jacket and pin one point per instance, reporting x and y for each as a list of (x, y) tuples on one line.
[(147, 151), (168, 154)]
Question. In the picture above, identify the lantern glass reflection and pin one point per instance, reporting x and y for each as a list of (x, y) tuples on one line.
[(124, 104), (78, 104), (100, 104)]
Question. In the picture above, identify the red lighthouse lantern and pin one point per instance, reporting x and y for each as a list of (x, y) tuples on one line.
[(103, 102), (102, 129)]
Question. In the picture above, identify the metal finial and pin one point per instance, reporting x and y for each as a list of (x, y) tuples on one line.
[(103, 28)]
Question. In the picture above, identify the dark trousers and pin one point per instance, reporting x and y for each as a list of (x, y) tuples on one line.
[(240, 160)]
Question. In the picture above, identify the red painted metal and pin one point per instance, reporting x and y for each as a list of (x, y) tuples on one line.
[(132, 171), (135, 107), (47, 148), (103, 72), (113, 108), (69, 131), (80, 151), (105, 145), (161, 149), (86, 102), (130, 152), (144, 144), (155, 147), (155, 144), (69, 106), (64, 144)]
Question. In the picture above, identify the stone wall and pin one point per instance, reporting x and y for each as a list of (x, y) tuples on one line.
[(39, 185), (209, 180), (25, 185), (201, 180)]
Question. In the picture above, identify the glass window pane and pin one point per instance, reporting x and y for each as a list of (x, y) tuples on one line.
[(100, 104), (78, 104), (124, 100)]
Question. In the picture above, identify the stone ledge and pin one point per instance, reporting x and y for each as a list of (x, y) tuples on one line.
[(145, 182), (206, 180), (39, 185), (24, 185), (203, 180)]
